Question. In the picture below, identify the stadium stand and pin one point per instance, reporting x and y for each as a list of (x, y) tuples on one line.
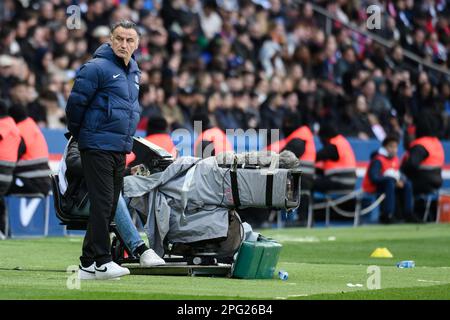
[(248, 64)]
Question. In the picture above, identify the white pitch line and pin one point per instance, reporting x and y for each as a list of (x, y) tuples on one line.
[(432, 281)]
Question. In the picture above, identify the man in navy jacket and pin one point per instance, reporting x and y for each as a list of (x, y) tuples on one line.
[(103, 113)]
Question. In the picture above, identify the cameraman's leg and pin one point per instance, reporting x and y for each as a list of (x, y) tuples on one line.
[(130, 235), (126, 228)]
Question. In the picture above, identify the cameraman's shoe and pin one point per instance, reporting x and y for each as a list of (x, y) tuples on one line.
[(110, 270), (149, 258)]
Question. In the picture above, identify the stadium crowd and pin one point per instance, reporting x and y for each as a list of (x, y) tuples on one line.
[(248, 64)]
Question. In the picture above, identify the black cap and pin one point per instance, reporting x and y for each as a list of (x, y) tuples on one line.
[(327, 130), (425, 125), (156, 124), (18, 113), (203, 117)]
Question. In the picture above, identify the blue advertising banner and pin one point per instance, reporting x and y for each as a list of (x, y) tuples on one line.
[(26, 216), (54, 228)]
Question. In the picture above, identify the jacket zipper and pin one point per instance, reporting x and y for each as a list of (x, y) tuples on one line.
[(129, 100)]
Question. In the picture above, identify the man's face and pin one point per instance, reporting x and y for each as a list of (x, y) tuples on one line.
[(124, 42), (392, 148), (19, 94)]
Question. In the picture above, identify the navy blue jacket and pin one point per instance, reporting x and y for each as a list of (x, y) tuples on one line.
[(103, 107)]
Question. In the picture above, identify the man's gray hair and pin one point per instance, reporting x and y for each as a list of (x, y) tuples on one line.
[(127, 24)]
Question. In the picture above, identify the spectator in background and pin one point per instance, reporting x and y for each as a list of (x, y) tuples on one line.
[(346, 64), (445, 107), (24, 96), (172, 113), (336, 161), (225, 116), (269, 44), (10, 148), (272, 113), (212, 140), (31, 174), (186, 102), (300, 141), (383, 177), (149, 105), (423, 161), (360, 120), (210, 20), (157, 133), (56, 117), (6, 75), (271, 51)]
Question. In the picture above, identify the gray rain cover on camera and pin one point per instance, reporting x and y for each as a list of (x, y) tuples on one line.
[(189, 201)]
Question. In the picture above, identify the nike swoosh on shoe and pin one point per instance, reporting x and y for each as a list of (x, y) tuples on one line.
[(85, 270)]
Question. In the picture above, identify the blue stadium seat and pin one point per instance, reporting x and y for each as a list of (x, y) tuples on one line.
[(428, 198)]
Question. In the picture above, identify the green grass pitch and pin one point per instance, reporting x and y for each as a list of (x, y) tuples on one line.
[(321, 264)]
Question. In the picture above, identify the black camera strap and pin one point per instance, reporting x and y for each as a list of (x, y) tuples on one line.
[(269, 189), (235, 188)]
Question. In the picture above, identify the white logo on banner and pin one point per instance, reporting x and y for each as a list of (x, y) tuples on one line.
[(27, 211)]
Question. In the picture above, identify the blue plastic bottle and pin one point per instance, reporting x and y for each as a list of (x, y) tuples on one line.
[(406, 264), (283, 275)]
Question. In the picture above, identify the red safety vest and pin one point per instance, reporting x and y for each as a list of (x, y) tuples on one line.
[(386, 164), (309, 156), (277, 146), (346, 161), (436, 157), (34, 162), (304, 133), (34, 140), (217, 137), (164, 141), (9, 141)]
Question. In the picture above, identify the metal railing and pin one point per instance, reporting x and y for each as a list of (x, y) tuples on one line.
[(386, 43)]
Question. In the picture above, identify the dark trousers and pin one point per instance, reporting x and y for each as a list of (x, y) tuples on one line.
[(4, 186), (392, 193), (103, 171)]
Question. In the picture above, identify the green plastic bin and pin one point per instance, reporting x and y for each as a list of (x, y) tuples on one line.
[(257, 260)]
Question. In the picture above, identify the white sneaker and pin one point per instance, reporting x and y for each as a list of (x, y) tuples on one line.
[(86, 273), (110, 270), (149, 259)]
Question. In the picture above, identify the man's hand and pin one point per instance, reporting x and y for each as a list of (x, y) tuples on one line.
[(400, 184), (134, 169), (140, 170)]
